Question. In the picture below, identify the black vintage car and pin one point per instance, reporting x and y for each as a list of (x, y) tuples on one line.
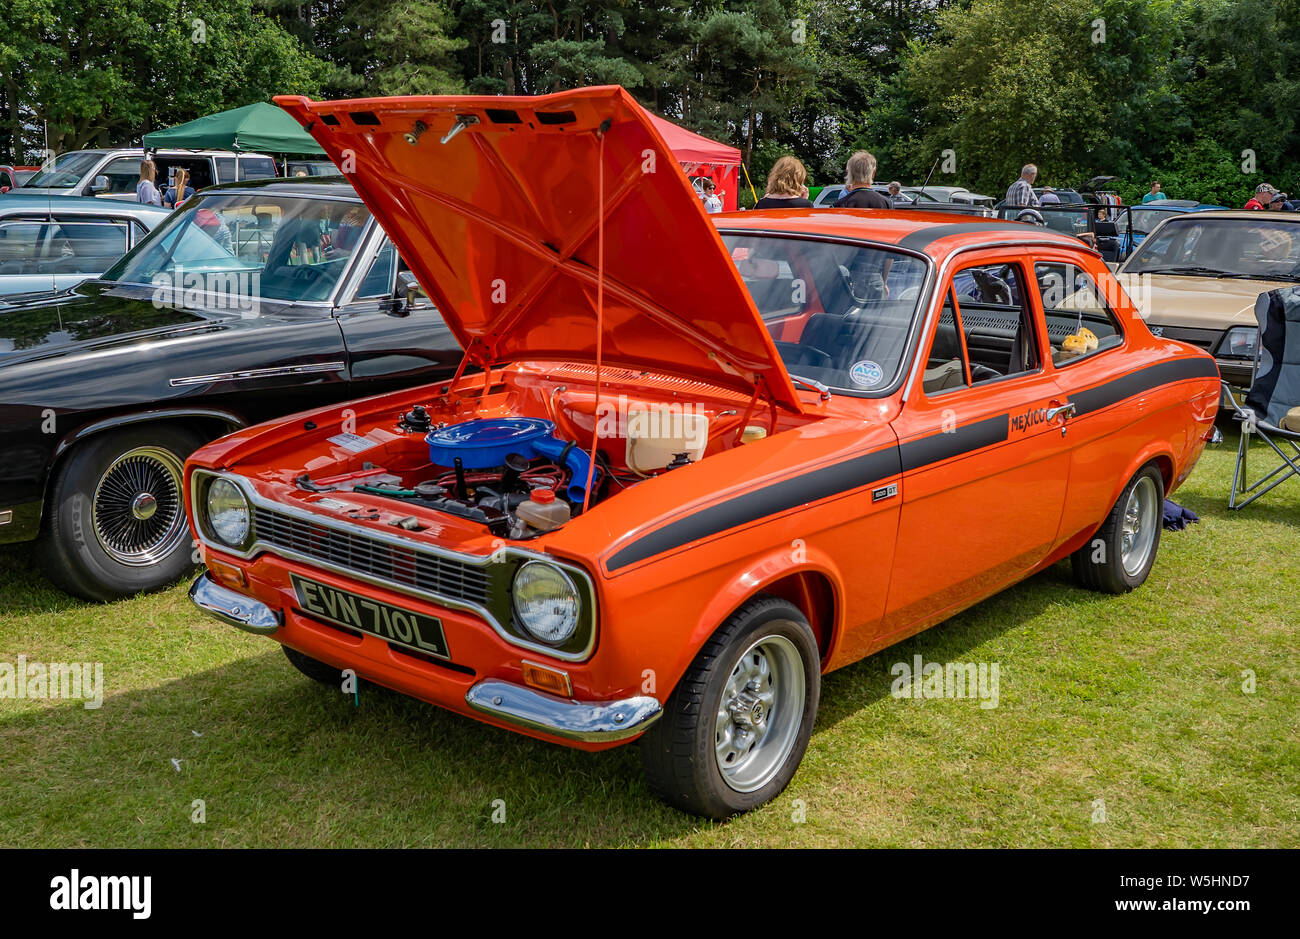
[(252, 301)]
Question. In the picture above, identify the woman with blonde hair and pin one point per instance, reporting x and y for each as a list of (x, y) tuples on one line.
[(179, 190), (786, 186), (145, 190)]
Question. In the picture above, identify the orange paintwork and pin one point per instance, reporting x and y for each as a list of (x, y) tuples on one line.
[(867, 569)]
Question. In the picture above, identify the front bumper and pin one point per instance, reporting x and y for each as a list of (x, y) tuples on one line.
[(501, 702)]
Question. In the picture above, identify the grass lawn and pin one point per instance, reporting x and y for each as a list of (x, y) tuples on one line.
[(1136, 701)]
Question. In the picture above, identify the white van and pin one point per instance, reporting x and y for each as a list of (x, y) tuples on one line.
[(114, 174)]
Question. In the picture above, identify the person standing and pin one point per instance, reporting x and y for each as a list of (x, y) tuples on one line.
[(859, 175), (146, 192), (1021, 192), (1049, 196), (1155, 195), (178, 191), (787, 186), (709, 196)]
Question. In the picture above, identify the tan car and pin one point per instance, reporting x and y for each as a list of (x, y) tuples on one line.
[(1197, 275)]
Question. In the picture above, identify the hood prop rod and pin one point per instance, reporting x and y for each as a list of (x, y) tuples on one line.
[(600, 301)]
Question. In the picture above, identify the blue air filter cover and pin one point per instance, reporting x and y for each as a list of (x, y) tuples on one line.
[(485, 442)]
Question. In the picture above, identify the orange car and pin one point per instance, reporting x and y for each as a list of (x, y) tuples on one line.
[(702, 460)]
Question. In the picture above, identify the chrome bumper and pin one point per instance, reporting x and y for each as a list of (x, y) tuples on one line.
[(233, 608), (588, 722)]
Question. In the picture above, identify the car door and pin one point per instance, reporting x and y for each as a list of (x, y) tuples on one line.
[(985, 469), (391, 343), (1078, 293), (84, 246), (24, 253)]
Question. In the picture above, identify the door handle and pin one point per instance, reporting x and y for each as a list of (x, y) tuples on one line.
[(1068, 410)]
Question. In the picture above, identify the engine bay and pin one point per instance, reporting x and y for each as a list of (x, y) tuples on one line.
[(515, 456)]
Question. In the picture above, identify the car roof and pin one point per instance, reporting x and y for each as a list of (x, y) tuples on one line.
[(915, 230), (15, 201), (1255, 214), (335, 186)]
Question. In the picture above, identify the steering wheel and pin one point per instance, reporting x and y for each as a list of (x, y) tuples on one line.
[(1032, 216), (980, 373)]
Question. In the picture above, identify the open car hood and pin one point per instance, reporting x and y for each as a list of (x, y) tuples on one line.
[(500, 222)]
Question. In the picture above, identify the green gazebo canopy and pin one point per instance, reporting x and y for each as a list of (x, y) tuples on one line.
[(257, 127)]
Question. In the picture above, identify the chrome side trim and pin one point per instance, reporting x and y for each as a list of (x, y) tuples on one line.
[(258, 547), (585, 721), (259, 373), (233, 608)]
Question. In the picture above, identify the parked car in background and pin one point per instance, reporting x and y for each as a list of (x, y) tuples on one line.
[(251, 301), (114, 174), (1104, 227), (14, 176), (1197, 275), (53, 244), (920, 451), (959, 195), (829, 195), (1067, 196), (311, 168), (1147, 217)]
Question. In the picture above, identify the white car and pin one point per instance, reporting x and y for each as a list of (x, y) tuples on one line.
[(114, 174)]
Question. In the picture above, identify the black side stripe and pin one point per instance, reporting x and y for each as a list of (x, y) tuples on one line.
[(944, 446), (1135, 383), (770, 500), (922, 238), (869, 468)]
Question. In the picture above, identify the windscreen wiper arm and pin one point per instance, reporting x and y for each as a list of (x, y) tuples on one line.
[(816, 386)]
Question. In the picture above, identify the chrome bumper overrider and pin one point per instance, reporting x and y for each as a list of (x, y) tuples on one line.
[(590, 722), (233, 608)]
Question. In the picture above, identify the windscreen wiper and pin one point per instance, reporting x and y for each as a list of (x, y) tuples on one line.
[(1202, 271), (816, 386)]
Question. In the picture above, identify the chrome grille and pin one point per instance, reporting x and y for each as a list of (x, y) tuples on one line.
[(354, 551)]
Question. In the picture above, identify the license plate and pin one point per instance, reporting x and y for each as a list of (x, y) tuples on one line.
[(392, 624)]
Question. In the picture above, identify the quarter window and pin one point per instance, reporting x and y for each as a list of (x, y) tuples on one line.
[(1080, 322)]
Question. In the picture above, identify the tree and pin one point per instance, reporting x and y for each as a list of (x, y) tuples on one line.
[(105, 72)]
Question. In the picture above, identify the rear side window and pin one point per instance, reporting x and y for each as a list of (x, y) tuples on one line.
[(1079, 321), (123, 174), (86, 246)]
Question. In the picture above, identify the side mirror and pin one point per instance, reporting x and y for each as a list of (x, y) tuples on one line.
[(99, 185), (407, 288)]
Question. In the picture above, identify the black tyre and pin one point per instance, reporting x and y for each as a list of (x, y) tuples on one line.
[(736, 726), (1120, 556), (314, 669), (115, 522)]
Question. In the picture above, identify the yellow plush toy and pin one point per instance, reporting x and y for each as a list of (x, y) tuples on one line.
[(1089, 337), (1072, 346)]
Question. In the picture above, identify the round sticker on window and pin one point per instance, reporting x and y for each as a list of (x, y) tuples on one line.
[(866, 374)]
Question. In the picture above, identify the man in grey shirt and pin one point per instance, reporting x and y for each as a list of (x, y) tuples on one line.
[(1021, 192)]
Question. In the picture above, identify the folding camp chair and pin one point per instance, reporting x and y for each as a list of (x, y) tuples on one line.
[(1274, 392)]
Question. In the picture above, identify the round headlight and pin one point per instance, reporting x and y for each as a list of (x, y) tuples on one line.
[(227, 513), (546, 602)]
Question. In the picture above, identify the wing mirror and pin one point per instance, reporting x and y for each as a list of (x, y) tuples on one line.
[(99, 185), (404, 296)]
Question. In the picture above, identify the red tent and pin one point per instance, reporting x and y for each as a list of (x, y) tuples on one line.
[(701, 156)]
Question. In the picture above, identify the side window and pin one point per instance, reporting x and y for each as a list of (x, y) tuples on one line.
[(123, 174), (997, 321), (86, 246), (380, 279), (1079, 321), (22, 242), (945, 368)]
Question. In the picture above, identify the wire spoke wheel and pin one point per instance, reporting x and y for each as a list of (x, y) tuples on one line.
[(759, 713), (138, 513)]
